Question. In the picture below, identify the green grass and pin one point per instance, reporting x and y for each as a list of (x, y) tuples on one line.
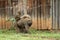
[(32, 35)]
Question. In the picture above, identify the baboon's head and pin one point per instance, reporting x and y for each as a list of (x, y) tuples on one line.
[(17, 17)]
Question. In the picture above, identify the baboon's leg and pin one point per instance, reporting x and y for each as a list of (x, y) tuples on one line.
[(26, 27), (21, 30), (16, 28), (25, 31)]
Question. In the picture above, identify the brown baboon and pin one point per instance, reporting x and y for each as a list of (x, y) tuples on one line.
[(23, 23)]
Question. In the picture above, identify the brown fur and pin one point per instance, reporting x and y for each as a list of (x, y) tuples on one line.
[(21, 22)]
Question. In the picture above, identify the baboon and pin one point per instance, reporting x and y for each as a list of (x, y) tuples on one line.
[(23, 23)]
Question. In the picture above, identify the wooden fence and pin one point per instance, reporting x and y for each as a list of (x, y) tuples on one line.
[(44, 13)]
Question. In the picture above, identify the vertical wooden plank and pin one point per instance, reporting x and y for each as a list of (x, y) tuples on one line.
[(9, 8), (48, 16), (42, 3), (57, 15), (59, 12), (44, 17), (54, 25), (39, 13), (51, 10), (43, 14), (35, 15)]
